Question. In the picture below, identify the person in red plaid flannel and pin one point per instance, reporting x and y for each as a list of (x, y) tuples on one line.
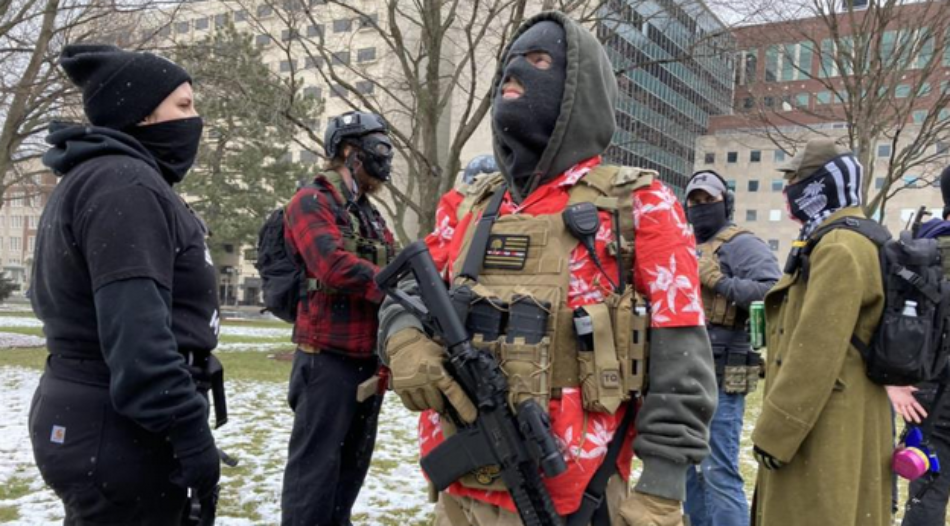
[(341, 240)]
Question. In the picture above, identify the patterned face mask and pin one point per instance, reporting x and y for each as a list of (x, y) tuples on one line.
[(834, 186)]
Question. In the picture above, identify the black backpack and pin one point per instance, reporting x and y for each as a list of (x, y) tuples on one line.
[(283, 281), (904, 350)]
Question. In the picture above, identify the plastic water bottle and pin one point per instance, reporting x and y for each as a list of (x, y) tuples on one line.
[(910, 309)]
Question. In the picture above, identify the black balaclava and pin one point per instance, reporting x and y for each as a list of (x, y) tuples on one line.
[(525, 124), (707, 219), (945, 191), (173, 144)]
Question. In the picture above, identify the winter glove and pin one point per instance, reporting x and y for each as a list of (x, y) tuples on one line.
[(641, 509), (419, 377), (709, 271), (766, 460), (199, 471)]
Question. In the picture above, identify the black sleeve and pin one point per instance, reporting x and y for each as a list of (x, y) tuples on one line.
[(750, 270), (149, 381), (127, 233)]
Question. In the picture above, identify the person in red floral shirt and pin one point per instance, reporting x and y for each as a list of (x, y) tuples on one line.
[(553, 116), (341, 241)]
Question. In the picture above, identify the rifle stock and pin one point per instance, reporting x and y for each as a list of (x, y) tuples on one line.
[(520, 445)]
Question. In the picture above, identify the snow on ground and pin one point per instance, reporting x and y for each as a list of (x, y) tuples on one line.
[(19, 321), (254, 332), (9, 340), (256, 433)]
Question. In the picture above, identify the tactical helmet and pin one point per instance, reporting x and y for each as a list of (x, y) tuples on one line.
[(352, 124)]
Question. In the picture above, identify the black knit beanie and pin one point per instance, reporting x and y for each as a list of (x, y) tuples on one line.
[(120, 88)]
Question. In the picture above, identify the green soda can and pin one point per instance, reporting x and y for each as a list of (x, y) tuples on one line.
[(757, 324)]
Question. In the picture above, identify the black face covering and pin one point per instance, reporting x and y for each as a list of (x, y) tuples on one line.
[(376, 154), (707, 219), (525, 124), (174, 144)]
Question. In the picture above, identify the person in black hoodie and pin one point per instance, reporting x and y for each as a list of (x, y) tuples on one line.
[(125, 287)]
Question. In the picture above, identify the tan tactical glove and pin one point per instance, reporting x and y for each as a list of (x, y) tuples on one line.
[(641, 509), (709, 271), (420, 379)]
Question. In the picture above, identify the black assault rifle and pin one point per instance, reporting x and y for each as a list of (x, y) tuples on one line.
[(521, 446)]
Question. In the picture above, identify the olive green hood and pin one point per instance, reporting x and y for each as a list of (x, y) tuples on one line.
[(586, 122)]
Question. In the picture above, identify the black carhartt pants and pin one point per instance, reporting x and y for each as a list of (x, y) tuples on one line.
[(106, 469), (332, 441), (932, 509)]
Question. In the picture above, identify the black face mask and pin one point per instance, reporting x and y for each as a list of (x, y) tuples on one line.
[(376, 154), (707, 219), (524, 125), (173, 144), (812, 197)]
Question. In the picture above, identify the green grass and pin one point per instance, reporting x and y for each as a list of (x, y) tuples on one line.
[(14, 488), (31, 331), (31, 357), (8, 514), (18, 314)]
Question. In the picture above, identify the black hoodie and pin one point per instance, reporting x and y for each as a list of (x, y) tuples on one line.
[(122, 276)]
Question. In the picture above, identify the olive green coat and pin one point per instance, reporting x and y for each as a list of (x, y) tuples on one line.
[(820, 413)]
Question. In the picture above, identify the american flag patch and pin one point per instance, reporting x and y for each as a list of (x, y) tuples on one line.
[(507, 252)]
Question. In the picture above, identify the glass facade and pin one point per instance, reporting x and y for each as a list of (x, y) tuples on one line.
[(675, 64)]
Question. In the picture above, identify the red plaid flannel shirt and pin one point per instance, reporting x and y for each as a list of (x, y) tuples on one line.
[(344, 322)]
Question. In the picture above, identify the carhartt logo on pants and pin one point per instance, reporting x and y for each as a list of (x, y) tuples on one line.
[(58, 436)]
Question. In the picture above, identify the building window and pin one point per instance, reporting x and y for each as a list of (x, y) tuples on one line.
[(709, 158), (732, 157), (771, 63), (768, 102), (823, 97), (801, 100), (312, 92), (240, 16), (182, 27), (165, 31), (15, 244), (315, 31), (778, 156), (16, 222), (941, 147), (201, 23), (369, 20), (262, 40), (337, 90), (755, 156), (883, 150), (31, 243), (778, 185), (341, 58), (220, 21), (33, 221), (775, 215), (919, 116), (751, 215), (753, 185), (264, 11), (365, 87), (366, 54), (342, 25), (773, 244), (748, 103), (902, 91), (289, 34), (287, 66), (879, 183)]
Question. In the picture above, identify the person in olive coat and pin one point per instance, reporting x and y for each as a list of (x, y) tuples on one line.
[(824, 437)]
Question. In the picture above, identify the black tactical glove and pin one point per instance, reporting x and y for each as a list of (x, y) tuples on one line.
[(199, 471), (768, 461)]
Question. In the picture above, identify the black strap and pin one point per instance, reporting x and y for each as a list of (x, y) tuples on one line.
[(476, 251), (593, 509)]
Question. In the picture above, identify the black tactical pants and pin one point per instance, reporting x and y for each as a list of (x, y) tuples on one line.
[(332, 441), (106, 469), (932, 509)]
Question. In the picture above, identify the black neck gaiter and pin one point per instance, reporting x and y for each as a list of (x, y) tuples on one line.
[(707, 219), (173, 144), (524, 124)]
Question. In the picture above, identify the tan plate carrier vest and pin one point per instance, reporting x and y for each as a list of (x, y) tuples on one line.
[(616, 369), (719, 309), (376, 251)]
